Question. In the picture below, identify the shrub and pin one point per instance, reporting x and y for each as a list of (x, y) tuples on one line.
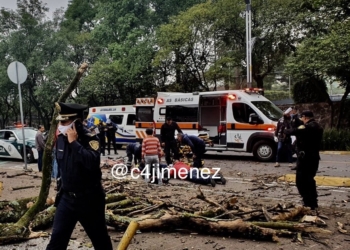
[(336, 139)]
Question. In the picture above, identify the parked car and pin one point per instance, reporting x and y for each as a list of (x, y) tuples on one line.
[(11, 144)]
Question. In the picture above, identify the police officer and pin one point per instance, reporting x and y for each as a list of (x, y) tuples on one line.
[(133, 151), (81, 196), (197, 146), (167, 134), (111, 130), (102, 129), (309, 139), (295, 123)]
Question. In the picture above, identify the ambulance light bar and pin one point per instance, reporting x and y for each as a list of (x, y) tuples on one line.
[(254, 90), (232, 97)]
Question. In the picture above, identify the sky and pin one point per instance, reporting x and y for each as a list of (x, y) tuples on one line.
[(51, 4)]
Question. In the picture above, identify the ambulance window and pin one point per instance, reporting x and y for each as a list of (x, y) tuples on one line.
[(131, 119), (2, 134), (182, 114), (117, 119), (241, 112), (162, 111), (144, 114)]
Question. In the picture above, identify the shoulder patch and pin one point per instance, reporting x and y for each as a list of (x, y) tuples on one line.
[(94, 145), (301, 127)]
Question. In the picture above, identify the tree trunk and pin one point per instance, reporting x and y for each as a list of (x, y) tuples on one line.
[(47, 156), (342, 104)]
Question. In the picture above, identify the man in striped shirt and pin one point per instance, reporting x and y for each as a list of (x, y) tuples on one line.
[(151, 154)]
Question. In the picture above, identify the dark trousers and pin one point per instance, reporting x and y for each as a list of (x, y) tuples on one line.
[(102, 144), (109, 141), (196, 176), (171, 146), (40, 160), (288, 147), (90, 212), (305, 182), (199, 152), (131, 156)]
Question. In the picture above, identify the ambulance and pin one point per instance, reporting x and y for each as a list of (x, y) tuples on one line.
[(234, 120), (122, 115)]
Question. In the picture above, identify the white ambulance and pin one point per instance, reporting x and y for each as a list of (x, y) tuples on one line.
[(123, 116), (235, 120)]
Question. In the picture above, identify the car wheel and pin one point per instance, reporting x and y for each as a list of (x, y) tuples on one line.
[(30, 155), (264, 151)]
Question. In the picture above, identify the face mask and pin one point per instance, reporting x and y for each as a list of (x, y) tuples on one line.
[(63, 129)]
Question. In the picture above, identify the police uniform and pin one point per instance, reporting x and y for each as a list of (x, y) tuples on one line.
[(167, 134), (81, 196), (309, 139), (197, 146), (133, 150)]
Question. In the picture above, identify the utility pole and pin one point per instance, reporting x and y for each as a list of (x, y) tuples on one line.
[(248, 21)]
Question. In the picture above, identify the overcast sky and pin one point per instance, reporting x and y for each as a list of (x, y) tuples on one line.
[(51, 4)]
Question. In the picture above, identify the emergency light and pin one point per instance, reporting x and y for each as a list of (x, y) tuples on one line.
[(93, 110), (123, 108), (160, 101), (254, 90), (232, 97)]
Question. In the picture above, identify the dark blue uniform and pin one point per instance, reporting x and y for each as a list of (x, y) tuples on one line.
[(167, 134), (309, 139), (197, 146), (82, 196), (133, 150)]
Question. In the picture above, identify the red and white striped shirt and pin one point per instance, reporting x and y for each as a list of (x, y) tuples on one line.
[(151, 146)]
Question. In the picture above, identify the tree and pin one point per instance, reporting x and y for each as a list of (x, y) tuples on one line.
[(324, 53)]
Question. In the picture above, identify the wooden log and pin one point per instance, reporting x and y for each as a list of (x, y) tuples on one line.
[(292, 227), (119, 204), (23, 187), (128, 210), (115, 197), (197, 224), (44, 219)]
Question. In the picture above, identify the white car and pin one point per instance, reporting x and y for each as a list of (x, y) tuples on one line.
[(11, 144)]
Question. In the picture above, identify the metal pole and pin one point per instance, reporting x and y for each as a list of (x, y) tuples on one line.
[(247, 43), (250, 44), (22, 120)]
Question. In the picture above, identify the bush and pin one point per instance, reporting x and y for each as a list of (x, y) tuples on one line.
[(336, 139), (309, 91), (274, 95)]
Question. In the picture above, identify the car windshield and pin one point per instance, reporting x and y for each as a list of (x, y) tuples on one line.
[(269, 109), (29, 133)]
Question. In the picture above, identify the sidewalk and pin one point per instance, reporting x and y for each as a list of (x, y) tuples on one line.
[(335, 152)]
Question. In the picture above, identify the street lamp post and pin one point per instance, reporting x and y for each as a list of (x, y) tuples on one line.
[(248, 21)]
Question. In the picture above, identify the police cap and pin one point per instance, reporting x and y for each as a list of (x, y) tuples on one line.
[(68, 111), (307, 113)]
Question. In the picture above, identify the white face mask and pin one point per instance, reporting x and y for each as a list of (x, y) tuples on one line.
[(63, 129)]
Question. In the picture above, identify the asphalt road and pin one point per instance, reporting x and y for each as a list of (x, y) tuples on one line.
[(245, 177)]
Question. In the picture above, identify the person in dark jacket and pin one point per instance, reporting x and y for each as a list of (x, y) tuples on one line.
[(167, 134), (102, 131), (309, 139), (111, 130), (133, 152), (295, 123), (284, 141), (197, 146), (81, 196)]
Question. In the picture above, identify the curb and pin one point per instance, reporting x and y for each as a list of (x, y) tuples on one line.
[(335, 152)]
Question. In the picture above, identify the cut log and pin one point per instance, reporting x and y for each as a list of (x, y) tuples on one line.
[(23, 187), (44, 219), (197, 224)]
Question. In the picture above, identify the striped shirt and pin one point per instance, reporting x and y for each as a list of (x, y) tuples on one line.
[(151, 146)]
